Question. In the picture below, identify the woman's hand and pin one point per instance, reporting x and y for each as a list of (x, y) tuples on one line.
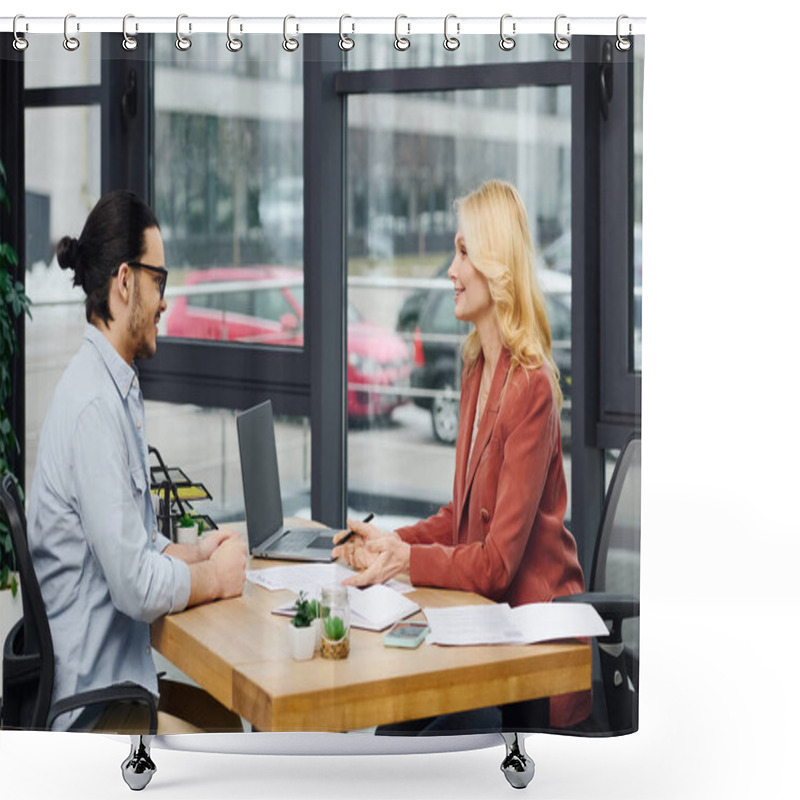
[(379, 554)]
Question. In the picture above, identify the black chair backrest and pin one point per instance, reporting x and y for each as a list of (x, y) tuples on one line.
[(615, 567), (28, 666)]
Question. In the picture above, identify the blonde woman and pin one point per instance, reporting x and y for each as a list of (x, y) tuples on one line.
[(503, 534)]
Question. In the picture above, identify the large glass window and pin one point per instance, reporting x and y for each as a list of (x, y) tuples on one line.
[(48, 65), (409, 157), (229, 190), (62, 175), (203, 443)]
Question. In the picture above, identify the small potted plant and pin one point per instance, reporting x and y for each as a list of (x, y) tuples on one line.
[(335, 643), (190, 529), (303, 628)]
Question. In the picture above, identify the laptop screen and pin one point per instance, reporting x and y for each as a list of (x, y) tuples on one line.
[(260, 480)]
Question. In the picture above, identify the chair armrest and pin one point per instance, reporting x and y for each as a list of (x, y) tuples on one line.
[(18, 666), (118, 692), (613, 608)]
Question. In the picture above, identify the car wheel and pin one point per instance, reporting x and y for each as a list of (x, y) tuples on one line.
[(444, 415)]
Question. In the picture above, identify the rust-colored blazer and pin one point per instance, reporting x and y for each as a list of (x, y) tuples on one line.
[(503, 534)]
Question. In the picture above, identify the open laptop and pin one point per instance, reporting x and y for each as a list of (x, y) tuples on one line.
[(263, 510)]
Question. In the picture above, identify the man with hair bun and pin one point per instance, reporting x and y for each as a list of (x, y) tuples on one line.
[(105, 570)]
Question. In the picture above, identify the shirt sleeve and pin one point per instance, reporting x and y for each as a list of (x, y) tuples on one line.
[(143, 582), (488, 567)]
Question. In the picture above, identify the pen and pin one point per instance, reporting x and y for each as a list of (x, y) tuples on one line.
[(346, 538)]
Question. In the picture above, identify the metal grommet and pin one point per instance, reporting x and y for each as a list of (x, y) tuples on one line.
[(345, 42), (507, 42), (128, 42), (451, 42), (400, 42), (70, 42), (233, 44), (623, 44), (20, 43), (561, 43), (289, 44), (182, 42)]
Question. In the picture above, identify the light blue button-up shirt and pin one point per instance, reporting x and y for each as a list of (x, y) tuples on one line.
[(92, 529)]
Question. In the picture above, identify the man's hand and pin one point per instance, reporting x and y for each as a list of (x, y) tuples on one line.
[(211, 541), (229, 562)]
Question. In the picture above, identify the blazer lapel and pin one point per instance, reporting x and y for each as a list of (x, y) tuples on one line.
[(486, 426)]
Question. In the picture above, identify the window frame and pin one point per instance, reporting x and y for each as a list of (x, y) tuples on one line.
[(606, 391)]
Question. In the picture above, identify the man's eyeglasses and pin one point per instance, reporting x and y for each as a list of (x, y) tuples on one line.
[(162, 284)]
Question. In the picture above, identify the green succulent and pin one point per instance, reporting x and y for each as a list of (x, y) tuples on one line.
[(305, 611), (334, 628)]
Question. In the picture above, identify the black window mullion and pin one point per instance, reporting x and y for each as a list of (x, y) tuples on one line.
[(53, 97), (620, 385), (588, 468), (12, 225), (442, 79), (324, 173)]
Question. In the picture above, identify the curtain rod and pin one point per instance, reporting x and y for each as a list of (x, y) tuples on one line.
[(349, 25)]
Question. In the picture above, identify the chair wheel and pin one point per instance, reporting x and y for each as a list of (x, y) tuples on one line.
[(517, 766), (138, 768)]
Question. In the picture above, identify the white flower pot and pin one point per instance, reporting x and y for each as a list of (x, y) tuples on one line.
[(10, 612), (302, 641), (188, 535)]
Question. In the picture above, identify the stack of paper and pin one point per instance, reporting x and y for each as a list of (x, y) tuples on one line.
[(500, 624)]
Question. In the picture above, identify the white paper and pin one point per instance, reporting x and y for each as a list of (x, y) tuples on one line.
[(500, 624), (295, 578), (377, 607), (372, 609)]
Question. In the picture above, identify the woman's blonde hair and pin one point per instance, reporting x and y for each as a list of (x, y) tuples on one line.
[(495, 227)]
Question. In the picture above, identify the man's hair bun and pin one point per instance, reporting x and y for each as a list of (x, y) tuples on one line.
[(67, 252)]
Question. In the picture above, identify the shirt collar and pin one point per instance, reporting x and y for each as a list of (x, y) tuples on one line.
[(122, 374)]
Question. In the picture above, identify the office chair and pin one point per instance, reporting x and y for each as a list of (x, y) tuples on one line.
[(614, 592), (28, 659)]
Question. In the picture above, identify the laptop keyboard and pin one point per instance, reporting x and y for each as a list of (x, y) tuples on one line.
[(294, 541)]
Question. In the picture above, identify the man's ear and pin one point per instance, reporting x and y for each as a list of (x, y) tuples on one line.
[(123, 282)]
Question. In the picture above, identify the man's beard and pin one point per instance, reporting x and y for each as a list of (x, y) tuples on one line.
[(138, 326)]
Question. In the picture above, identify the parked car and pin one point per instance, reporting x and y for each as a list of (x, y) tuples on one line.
[(272, 313), (438, 336)]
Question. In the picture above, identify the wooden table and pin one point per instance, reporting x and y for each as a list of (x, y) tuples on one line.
[(239, 652)]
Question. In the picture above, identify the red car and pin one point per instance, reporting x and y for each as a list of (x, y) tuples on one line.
[(264, 305)]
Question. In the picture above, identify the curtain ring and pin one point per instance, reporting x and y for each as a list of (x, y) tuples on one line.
[(623, 44), (400, 42), (182, 42), (289, 44), (128, 42), (507, 42), (451, 42), (20, 43), (345, 42), (561, 43), (233, 44), (70, 42)]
